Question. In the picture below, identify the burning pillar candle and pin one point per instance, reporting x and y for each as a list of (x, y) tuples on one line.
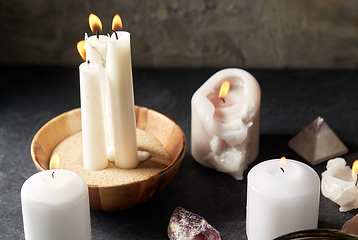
[(96, 52), (93, 135), (281, 199), (339, 183), (119, 75), (225, 128), (55, 205)]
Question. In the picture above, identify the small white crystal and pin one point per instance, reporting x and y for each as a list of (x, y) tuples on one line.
[(143, 155)]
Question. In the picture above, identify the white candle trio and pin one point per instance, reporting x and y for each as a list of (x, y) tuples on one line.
[(116, 119)]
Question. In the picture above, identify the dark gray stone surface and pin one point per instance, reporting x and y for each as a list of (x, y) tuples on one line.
[(291, 99)]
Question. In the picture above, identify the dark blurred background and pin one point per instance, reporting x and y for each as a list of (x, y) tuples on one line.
[(188, 33)]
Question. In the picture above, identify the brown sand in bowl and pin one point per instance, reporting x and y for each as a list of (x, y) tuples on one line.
[(71, 158)]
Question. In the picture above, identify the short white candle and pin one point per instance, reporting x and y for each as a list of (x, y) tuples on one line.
[(55, 206), (339, 185), (93, 135), (280, 201), (119, 75), (225, 133)]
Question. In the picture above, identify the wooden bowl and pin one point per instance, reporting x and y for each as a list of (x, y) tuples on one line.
[(169, 134)]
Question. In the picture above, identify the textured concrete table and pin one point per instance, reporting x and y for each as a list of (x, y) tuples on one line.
[(291, 99)]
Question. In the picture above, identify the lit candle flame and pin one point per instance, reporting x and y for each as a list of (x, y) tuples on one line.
[(117, 23), (95, 23), (224, 89), (282, 163), (55, 161), (81, 49), (355, 171)]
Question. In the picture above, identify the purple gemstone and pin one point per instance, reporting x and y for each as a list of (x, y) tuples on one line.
[(184, 225)]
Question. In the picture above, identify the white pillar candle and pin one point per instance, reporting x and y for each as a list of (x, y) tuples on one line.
[(225, 135), (339, 185), (119, 74), (93, 135), (55, 205), (281, 200), (96, 52)]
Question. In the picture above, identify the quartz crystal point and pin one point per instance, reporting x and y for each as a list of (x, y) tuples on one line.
[(184, 225), (317, 143)]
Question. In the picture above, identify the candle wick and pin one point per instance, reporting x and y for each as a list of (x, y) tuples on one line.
[(97, 33), (115, 33), (283, 170), (356, 180), (53, 174), (223, 100), (88, 61)]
